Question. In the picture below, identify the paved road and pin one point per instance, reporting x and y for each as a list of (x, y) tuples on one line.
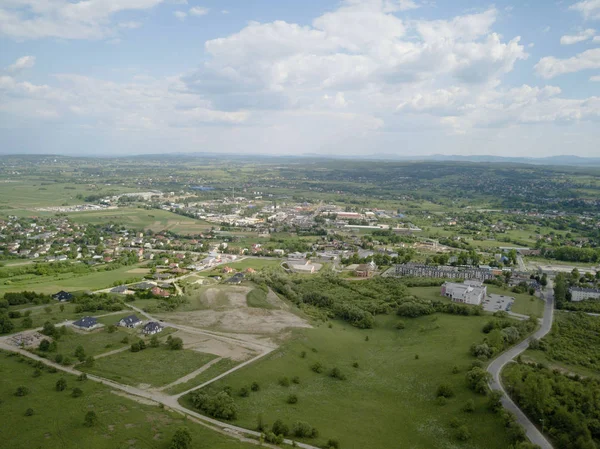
[(534, 435)]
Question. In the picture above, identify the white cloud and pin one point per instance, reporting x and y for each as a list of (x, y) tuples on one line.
[(131, 25), (84, 19), (596, 39), (595, 78), (550, 67), (24, 62), (198, 11), (579, 37), (181, 15), (589, 8)]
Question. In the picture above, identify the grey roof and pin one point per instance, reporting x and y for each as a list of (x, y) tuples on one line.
[(119, 289), (131, 319), (63, 296), (86, 321), (585, 290), (152, 326)]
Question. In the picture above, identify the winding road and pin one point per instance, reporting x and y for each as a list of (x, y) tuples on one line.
[(495, 368)]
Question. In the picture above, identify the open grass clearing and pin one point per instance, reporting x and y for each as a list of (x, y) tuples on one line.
[(93, 342), (152, 366), (389, 400), (257, 298), (211, 372), (57, 420)]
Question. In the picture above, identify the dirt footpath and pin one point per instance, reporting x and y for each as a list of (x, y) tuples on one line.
[(214, 346)]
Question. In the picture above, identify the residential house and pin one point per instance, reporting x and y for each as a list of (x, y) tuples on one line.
[(62, 296), (151, 328), (86, 323), (130, 321), (157, 291), (119, 289), (365, 270)]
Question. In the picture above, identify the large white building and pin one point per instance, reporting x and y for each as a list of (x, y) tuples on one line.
[(581, 294), (469, 292)]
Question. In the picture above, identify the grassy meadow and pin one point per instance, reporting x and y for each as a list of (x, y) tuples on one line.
[(388, 400), (57, 420), (152, 366)]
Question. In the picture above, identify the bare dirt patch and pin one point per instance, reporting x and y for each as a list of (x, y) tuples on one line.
[(139, 271), (215, 346)]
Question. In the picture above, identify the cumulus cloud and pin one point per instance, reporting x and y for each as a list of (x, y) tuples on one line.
[(550, 67), (24, 62), (589, 8), (84, 19), (595, 78), (579, 37)]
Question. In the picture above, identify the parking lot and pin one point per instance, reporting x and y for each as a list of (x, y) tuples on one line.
[(493, 303)]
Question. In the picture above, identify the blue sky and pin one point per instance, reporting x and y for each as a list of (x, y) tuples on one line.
[(404, 77)]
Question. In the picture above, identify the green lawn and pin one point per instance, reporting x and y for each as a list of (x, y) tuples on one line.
[(57, 422), (39, 315), (258, 298), (389, 400), (94, 343), (154, 219), (213, 371), (96, 280), (154, 366), (256, 263)]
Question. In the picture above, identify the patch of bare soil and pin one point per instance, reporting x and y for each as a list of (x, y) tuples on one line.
[(215, 346)]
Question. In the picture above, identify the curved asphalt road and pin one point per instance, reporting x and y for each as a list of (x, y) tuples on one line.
[(534, 435)]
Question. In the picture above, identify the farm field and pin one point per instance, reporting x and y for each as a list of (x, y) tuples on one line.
[(389, 386), (151, 366), (69, 281), (94, 343), (154, 219), (35, 193), (122, 422)]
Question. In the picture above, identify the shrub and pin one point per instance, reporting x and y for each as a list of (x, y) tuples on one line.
[(292, 399), (142, 344), (135, 347), (22, 391), (455, 370), (58, 358), (317, 367), (280, 428), (400, 325), (333, 444), (125, 340), (255, 386), (469, 406), (111, 329), (82, 377), (270, 437), (244, 392), (355, 365), (494, 402), (37, 373), (416, 356), (303, 354), (219, 405), (336, 373), (445, 391), (61, 384), (455, 422), (260, 423), (441, 400), (284, 381), (182, 439), (29, 412), (77, 392), (477, 379), (80, 353), (303, 429), (44, 345), (154, 343), (90, 419), (462, 433), (175, 343)]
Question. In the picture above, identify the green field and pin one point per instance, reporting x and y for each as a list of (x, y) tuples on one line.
[(258, 298), (57, 421), (94, 343), (154, 219), (389, 400), (96, 280), (153, 366), (213, 371), (35, 193)]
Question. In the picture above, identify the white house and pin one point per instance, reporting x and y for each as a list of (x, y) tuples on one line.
[(151, 328), (469, 292), (581, 294)]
